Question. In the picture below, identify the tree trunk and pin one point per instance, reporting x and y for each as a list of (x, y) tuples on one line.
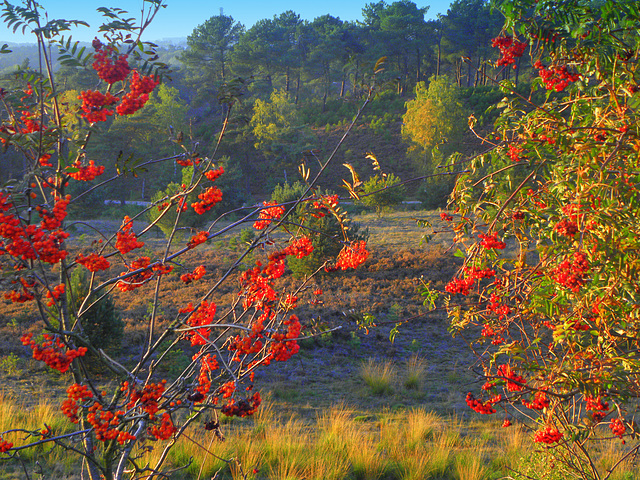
[(297, 89)]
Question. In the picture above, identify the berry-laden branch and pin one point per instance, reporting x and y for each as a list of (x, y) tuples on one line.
[(553, 321), (226, 344)]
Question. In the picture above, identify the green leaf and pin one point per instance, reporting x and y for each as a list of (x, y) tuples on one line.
[(460, 254)]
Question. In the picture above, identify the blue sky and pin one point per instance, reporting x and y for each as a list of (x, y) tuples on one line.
[(182, 16)]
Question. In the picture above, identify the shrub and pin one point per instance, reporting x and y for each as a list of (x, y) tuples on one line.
[(101, 321), (382, 191)]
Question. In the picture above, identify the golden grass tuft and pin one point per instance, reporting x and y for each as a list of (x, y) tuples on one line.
[(378, 375)]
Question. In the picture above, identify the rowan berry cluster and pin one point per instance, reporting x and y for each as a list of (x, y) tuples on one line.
[(597, 406), (496, 306), (138, 279), (549, 435), (515, 382), (618, 427), (146, 399), (352, 256), (571, 272), (491, 242), (267, 215), (485, 408), (55, 294), (95, 105), (213, 174), (93, 262), (126, 239), (52, 219), (446, 217), (165, 430), (208, 199), (208, 364), (87, 172), (53, 351), (5, 445), (139, 89), (109, 70), (510, 49), (284, 345), (198, 239), (539, 402), (460, 285), (514, 152), (555, 77), (105, 423), (197, 274), (75, 393), (202, 316)]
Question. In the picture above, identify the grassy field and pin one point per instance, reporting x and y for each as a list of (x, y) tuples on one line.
[(350, 405)]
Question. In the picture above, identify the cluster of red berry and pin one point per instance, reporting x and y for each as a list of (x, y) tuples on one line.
[(514, 152), (93, 262), (539, 402), (197, 274), (571, 272), (52, 219), (351, 256), (95, 105), (54, 295), (165, 429), (53, 351), (510, 49), (208, 199), (139, 89), (597, 406), (109, 70), (86, 173), (617, 427), (549, 435), (267, 215), (496, 306), (126, 239), (491, 242), (202, 316), (5, 446), (515, 382), (198, 239), (555, 77), (485, 408), (138, 279), (75, 393)]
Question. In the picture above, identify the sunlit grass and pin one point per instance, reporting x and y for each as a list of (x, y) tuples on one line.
[(378, 375), (414, 372)]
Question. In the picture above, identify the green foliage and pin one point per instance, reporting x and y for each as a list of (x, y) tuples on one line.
[(434, 118), (434, 192), (276, 124), (101, 322), (165, 218), (550, 215), (382, 191)]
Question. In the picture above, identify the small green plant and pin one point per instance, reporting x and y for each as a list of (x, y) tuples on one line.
[(10, 365), (378, 375)]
